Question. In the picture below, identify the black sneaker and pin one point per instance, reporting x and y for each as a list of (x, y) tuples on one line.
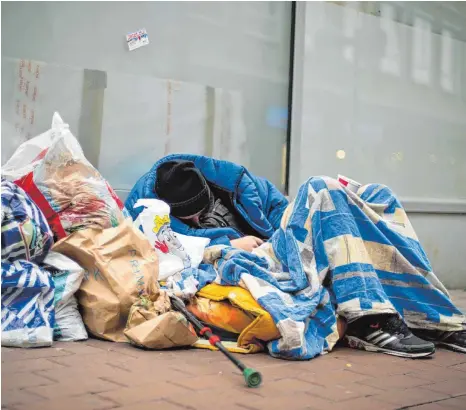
[(386, 334), (455, 341)]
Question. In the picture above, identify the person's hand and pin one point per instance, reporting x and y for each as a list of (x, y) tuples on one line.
[(248, 243)]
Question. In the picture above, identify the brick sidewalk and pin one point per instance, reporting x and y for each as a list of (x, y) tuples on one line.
[(97, 375), (101, 375)]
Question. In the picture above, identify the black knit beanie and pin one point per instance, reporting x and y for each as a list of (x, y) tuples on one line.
[(182, 186)]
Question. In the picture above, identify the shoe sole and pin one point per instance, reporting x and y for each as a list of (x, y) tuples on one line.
[(452, 347), (356, 343)]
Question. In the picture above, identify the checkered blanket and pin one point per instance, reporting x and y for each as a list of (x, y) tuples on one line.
[(336, 253)]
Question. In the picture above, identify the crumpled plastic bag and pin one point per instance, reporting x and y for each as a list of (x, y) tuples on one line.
[(67, 276), (71, 193), (176, 252)]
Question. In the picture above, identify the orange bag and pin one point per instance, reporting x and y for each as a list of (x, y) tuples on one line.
[(221, 314)]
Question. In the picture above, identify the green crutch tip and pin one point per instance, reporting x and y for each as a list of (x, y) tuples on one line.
[(253, 378)]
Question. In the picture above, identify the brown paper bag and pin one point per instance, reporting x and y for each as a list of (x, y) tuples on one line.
[(151, 325), (170, 329), (121, 267), (145, 309)]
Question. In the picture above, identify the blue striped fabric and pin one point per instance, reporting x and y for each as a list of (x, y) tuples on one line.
[(27, 290), (336, 253), (25, 232)]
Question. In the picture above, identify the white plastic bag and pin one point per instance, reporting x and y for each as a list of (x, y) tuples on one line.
[(194, 247), (155, 223), (28, 155), (67, 276), (71, 193), (69, 326)]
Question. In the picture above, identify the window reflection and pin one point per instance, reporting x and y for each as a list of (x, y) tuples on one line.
[(422, 51), (391, 61), (350, 21), (446, 61)]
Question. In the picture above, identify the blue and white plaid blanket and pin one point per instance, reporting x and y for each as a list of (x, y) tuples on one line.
[(336, 253)]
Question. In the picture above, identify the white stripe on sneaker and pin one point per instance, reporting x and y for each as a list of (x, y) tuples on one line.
[(372, 335), (454, 347), (389, 340), (357, 343), (381, 338)]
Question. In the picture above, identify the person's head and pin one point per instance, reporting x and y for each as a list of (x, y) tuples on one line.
[(182, 186)]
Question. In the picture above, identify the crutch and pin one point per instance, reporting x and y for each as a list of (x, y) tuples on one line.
[(252, 377)]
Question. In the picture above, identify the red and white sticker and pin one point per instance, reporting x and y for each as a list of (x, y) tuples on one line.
[(137, 39)]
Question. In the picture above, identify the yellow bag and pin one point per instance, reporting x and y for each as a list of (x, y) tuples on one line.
[(235, 310)]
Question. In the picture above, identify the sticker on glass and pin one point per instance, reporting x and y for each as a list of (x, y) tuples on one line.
[(137, 39)]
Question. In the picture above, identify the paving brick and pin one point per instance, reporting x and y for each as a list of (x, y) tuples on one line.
[(101, 344), (190, 358), (458, 403), (233, 397), (101, 375), (36, 353), (122, 348), (398, 382), (23, 380), (145, 392), (326, 363), (286, 387), (209, 382), (153, 405), (101, 371), (203, 368), (440, 374), (362, 403), (31, 365), (432, 406), (428, 365), (85, 402), (460, 367), (74, 387), (411, 397), (338, 393), (260, 360), (452, 387), (338, 377), (110, 358), (297, 402), (444, 357), (13, 397), (362, 357), (388, 369), (288, 370), (78, 348), (132, 377)]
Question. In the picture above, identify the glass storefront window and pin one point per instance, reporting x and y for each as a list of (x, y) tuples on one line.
[(213, 80)]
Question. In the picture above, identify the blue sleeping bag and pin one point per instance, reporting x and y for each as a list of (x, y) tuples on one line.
[(255, 199)]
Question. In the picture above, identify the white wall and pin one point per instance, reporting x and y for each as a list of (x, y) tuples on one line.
[(380, 101)]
